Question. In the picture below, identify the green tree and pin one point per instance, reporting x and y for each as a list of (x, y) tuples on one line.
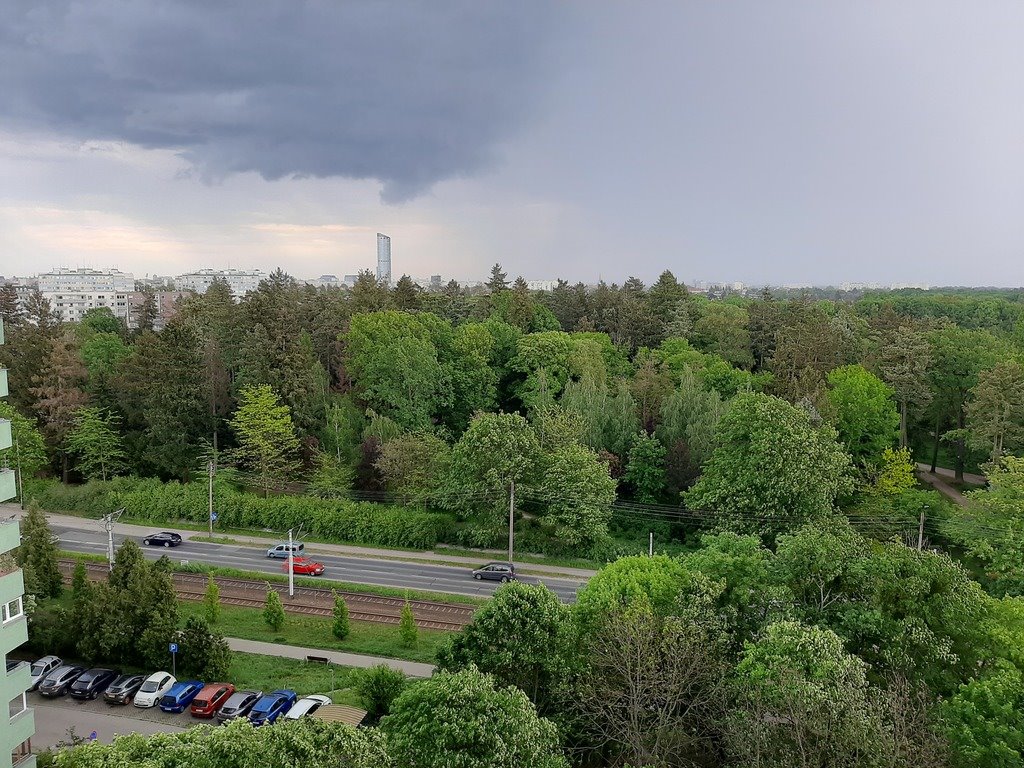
[(267, 446), (772, 467), (645, 469), (95, 441), (985, 720), (994, 532), (340, 625), (273, 610), (59, 394), (904, 361), (38, 555), (578, 493), (28, 450), (865, 414), (995, 414), (519, 637), (211, 601), (378, 687), (203, 653), (688, 428), (413, 465), (460, 720), (498, 281), (722, 329), (658, 581), (407, 629)]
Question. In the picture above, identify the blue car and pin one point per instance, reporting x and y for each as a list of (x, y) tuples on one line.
[(272, 706), (180, 695)]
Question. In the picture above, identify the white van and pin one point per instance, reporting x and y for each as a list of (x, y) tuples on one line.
[(281, 550)]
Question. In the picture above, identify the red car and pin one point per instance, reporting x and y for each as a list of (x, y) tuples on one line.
[(305, 566), (210, 699)]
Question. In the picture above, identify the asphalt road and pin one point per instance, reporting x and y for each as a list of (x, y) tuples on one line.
[(386, 573), (54, 719)]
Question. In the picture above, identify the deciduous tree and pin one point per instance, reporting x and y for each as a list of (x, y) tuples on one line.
[(96, 443), (267, 446)]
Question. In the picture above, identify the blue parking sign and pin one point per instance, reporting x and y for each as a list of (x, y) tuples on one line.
[(213, 516), (174, 647)]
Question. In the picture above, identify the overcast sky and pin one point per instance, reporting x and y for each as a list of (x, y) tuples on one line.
[(778, 142)]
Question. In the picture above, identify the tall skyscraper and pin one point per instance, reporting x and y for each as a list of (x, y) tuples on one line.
[(383, 259)]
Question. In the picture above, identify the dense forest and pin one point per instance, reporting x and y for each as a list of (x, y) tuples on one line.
[(814, 606)]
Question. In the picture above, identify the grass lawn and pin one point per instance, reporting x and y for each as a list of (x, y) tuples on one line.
[(267, 673), (315, 632)]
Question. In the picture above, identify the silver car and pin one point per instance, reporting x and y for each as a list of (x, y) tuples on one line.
[(41, 668)]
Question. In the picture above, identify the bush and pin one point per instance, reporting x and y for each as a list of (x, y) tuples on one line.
[(407, 629), (273, 611), (377, 688), (150, 499), (340, 626)]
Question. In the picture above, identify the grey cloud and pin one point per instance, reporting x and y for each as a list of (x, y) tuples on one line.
[(405, 93)]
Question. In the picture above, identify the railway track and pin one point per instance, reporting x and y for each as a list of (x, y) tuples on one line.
[(309, 601)]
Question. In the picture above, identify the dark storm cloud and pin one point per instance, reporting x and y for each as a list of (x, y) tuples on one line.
[(405, 93)]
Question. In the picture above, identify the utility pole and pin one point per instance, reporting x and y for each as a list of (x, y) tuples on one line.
[(650, 546), (291, 569), (920, 531), (108, 525), (210, 516), (511, 517)]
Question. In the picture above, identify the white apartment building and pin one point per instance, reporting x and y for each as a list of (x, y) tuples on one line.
[(73, 292), (240, 281)]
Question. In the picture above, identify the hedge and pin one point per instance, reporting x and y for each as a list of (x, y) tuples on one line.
[(355, 522)]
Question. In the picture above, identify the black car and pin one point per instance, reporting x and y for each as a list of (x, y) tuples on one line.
[(92, 683), (162, 539), (496, 572), (123, 689), (238, 705), (58, 682)]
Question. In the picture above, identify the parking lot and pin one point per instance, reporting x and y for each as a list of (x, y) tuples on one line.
[(55, 716)]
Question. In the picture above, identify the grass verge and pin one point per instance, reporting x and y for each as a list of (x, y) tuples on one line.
[(315, 632), (267, 673)]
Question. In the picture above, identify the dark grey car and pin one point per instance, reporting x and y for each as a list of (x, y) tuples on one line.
[(238, 705), (123, 689), (92, 683), (496, 572), (58, 682)]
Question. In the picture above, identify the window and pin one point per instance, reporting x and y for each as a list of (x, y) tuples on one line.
[(17, 705), (12, 610)]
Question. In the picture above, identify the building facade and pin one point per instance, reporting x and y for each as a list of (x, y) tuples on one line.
[(383, 259), (73, 292), (18, 725), (240, 281), (166, 307)]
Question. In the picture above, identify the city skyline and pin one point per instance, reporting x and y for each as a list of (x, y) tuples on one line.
[(790, 143)]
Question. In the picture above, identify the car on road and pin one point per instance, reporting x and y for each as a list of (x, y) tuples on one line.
[(92, 683), (59, 681), (239, 704), (272, 706), (307, 705), (502, 572), (162, 539), (305, 566), (153, 689), (123, 689), (180, 696), (41, 668), (281, 550), (210, 699)]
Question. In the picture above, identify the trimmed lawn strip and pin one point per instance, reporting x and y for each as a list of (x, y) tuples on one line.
[(251, 671), (315, 632)]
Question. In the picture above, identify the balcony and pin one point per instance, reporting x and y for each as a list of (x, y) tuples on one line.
[(5, 434), (8, 490), (3, 382)]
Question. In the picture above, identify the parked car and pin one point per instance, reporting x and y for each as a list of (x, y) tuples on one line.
[(123, 689), (305, 566), (271, 707), (92, 683), (211, 699), (496, 572), (180, 696), (59, 680), (162, 539), (41, 668), (307, 705), (153, 689), (239, 704), (281, 550)]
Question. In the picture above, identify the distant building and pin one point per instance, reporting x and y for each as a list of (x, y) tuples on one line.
[(325, 281), (383, 259), (166, 307), (240, 281), (73, 292), (350, 279), (541, 285)]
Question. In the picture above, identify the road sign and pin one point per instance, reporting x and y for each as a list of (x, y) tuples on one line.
[(174, 647), (213, 516)]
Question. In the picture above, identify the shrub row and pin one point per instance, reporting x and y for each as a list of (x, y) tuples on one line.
[(333, 519)]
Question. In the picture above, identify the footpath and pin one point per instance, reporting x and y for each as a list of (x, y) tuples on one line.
[(410, 668), (371, 553), (938, 480)]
